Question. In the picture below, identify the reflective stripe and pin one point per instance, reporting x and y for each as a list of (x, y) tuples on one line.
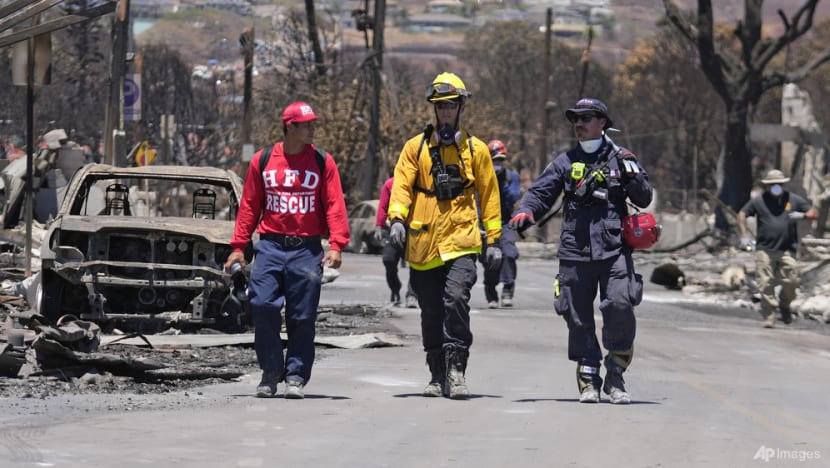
[(588, 370), (444, 258), (399, 208), (622, 358), (491, 225), (631, 166)]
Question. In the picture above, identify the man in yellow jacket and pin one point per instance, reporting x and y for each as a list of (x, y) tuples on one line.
[(443, 179)]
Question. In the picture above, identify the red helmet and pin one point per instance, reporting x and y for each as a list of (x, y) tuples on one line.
[(497, 149), (641, 231)]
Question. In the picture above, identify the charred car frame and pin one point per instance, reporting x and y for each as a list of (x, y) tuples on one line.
[(142, 241)]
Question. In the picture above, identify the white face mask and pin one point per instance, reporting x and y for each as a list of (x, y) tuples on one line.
[(590, 146)]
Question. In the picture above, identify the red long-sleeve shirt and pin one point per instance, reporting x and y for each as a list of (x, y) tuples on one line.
[(383, 203), (289, 198)]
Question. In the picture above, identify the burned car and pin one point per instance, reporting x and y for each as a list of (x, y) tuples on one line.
[(142, 241), (362, 227)]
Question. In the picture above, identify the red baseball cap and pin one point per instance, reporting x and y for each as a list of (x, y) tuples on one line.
[(298, 112)]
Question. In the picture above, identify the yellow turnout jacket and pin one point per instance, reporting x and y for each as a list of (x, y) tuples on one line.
[(442, 230)]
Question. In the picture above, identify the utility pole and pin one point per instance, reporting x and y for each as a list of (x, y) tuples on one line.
[(246, 40), (138, 124), (114, 118), (30, 144), (374, 118), (543, 152)]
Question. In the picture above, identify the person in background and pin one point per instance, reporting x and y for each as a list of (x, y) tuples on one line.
[(14, 148), (509, 194), (392, 253), (598, 179), (777, 212), (290, 201), (441, 177)]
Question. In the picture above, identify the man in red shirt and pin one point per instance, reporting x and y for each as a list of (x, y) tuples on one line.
[(290, 203)]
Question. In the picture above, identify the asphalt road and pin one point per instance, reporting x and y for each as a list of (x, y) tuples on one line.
[(708, 389)]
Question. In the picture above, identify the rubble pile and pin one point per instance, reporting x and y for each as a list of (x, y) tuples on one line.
[(39, 359), (729, 278)]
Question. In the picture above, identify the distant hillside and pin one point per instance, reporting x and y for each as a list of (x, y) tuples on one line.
[(200, 35)]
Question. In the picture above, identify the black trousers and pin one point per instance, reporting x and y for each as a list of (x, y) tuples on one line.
[(444, 298)]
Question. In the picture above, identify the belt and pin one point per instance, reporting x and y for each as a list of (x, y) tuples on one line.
[(287, 241)]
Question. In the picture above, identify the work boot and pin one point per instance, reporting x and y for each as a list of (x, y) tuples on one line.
[(268, 384), (769, 322), (396, 298), (786, 316), (411, 302), (588, 381), (493, 304), (615, 387), (294, 390), (456, 366), (438, 373), (507, 294)]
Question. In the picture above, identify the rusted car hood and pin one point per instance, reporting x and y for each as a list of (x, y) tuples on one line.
[(215, 231)]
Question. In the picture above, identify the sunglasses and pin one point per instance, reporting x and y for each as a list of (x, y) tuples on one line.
[(583, 118), (446, 105)]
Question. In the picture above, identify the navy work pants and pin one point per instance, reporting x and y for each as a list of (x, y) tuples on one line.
[(444, 297), (290, 277), (619, 291)]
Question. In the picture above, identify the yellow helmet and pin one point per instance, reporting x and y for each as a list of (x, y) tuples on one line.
[(446, 86)]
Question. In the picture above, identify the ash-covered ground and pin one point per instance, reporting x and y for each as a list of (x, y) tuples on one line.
[(714, 281), (184, 367)]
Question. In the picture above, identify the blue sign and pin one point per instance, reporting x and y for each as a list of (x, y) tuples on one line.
[(132, 97)]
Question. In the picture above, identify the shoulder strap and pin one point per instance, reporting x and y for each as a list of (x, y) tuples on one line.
[(321, 160), (320, 155), (427, 132), (265, 156)]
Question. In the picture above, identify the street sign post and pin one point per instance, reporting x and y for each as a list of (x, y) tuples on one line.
[(132, 97)]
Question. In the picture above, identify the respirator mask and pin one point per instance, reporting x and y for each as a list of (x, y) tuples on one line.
[(447, 135), (590, 146), (776, 190)]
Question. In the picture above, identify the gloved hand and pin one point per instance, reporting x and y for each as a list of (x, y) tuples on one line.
[(796, 215), (397, 233), (521, 221), (493, 257), (378, 235), (629, 166), (746, 243)]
